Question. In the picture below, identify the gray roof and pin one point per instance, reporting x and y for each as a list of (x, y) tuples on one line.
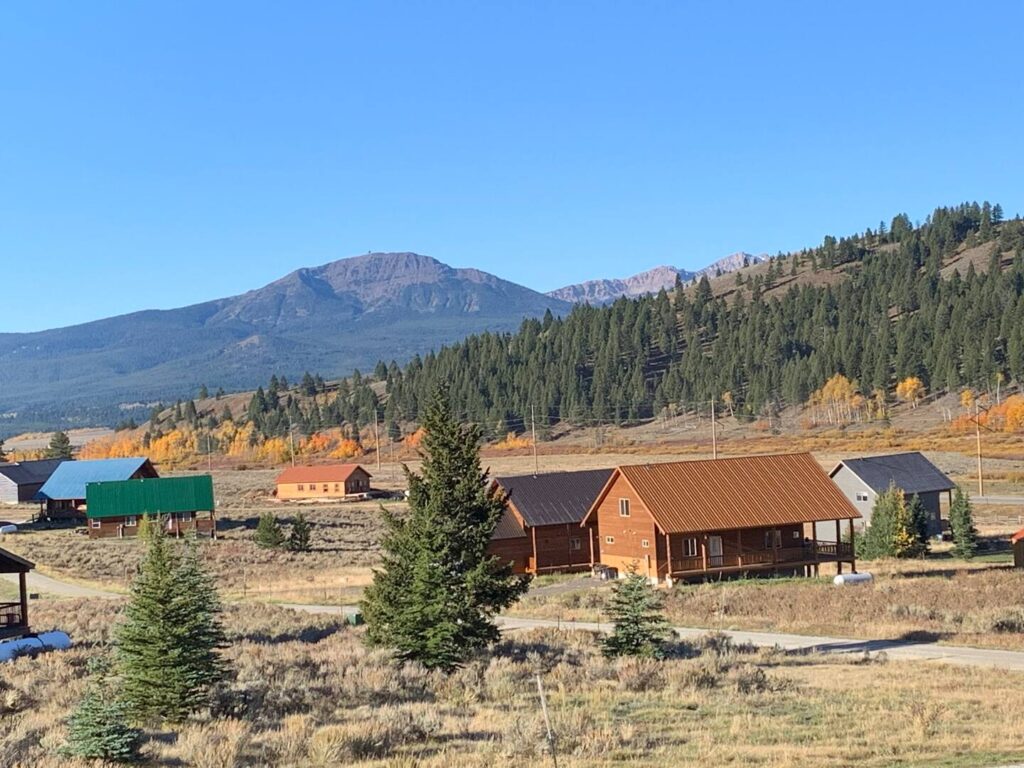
[(910, 472), (30, 472), (555, 498), (508, 527)]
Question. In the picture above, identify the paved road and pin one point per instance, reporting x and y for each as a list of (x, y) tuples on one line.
[(998, 500), (894, 649)]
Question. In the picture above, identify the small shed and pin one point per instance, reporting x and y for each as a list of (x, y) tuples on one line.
[(1017, 542), (181, 504)]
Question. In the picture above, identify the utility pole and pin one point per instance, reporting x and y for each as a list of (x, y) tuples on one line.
[(977, 436), (533, 427), (209, 453), (714, 431), (376, 439)]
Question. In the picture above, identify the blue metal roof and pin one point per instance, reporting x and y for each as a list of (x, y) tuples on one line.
[(68, 481)]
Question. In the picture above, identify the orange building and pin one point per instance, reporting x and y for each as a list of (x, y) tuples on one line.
[(327, 481)]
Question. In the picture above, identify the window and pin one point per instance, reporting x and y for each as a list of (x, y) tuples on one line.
[(129, 521), (185, 517), (95, 523), (645, 543), (861, 496), (325, 487), (772, 538), (302, 487), (623, 507), (337, 487), (575, 543), (690, 547), (609, 539)]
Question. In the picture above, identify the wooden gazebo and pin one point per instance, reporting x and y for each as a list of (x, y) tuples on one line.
[(14, 616)]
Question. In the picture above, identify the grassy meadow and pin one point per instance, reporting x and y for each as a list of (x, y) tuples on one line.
[(307, 692)]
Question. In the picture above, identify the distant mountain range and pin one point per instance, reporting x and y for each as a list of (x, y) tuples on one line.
[(330, 319), (605, 291)]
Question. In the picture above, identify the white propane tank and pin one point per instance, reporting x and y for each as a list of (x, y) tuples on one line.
[(845, 579), (9, 528), (44, 641)]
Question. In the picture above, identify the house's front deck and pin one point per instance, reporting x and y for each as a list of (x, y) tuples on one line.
[(13, 622), (811, 553)]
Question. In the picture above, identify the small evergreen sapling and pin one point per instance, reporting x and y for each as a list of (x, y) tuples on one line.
[(637, 612), (961, 524), (299, 536), (268, 532), (98, 728)]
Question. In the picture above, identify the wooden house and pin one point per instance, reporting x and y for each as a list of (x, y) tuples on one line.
[(20, 481), (14, 615), (862, 480), (547, 511), (63, 494), (698, 519), (326, 481), (1017, 542), (180, 504)]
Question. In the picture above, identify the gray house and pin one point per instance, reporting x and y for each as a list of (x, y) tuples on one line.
[(862, 480), (20, 481)]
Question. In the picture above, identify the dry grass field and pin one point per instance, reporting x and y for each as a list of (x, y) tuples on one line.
[(306, 692)]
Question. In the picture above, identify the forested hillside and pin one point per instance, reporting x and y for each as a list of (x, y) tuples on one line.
[(887, 313)]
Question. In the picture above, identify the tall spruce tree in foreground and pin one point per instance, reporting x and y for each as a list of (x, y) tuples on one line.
[(637, 612), (435, 595), (167, 645), (961, 525), (99, 728)]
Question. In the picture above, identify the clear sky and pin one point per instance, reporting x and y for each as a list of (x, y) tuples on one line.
[(159, 154)]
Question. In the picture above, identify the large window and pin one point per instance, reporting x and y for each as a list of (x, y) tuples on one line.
[(130, 521), (690, 547), (575, 543), (623, 507)]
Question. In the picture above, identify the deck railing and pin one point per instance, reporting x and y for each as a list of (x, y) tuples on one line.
[(805, 552), (11, 615)]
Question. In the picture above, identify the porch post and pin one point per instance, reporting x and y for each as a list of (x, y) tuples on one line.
[(853, 548), (590, 535), (739, 547), (568, 545), (23, 589), (668, 556), (839, 544), (704, 551), (533, 538)]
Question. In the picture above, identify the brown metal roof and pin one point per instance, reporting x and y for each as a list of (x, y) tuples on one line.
[(744, 492), (323, 473), (12, 563)]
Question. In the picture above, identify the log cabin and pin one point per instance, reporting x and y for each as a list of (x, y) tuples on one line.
[(548, 510), (693, 520), (63, 495), (182, 505), (14, 615), (326, 481)]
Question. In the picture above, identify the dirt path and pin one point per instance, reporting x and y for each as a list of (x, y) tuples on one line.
[(36, 582)]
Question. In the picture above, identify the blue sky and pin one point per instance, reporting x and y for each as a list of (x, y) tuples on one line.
[(160, 154)]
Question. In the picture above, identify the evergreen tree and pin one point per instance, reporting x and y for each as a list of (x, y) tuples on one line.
[(878, 536), (3, 456), (920, 520), (435, 594), (98, 728), (166, 646), (904, 533), (299, 536), (203, 392), (60, 446), (961, 524), (268, 532), (640, 627)]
